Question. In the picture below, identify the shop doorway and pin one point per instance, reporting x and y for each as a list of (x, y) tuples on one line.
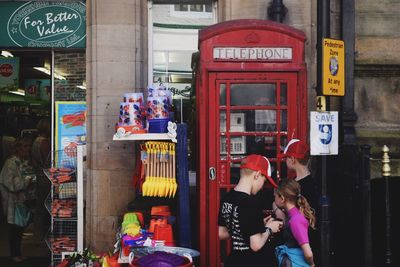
[(30, 83)]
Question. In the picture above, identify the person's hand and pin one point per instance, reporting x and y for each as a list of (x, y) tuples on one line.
[(274, 225), (266, 219)]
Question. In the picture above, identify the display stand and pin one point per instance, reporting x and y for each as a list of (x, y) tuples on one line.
[(183, 218), (65, 203), (147, 136)]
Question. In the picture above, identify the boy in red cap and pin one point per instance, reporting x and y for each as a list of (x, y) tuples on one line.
[(241, 220), (297, 155)]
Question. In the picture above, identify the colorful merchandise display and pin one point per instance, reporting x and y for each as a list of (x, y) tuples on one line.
[(139, 116), (131, 114), (160, 173), (133, 97), (156, 232)]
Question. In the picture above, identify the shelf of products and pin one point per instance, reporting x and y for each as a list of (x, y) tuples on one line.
[(65, 204), (146, 136), (123, 134), (165, 174)]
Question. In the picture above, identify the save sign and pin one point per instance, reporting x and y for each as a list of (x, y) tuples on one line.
[(48, 24), (324, 133)]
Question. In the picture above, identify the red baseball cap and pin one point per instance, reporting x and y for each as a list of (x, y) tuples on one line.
[(297, 149), (258, 163)]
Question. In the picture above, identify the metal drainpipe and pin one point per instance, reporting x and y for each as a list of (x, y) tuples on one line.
[(323, 31), (277, 11)]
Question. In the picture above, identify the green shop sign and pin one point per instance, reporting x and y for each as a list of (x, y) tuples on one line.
[(43, 24)]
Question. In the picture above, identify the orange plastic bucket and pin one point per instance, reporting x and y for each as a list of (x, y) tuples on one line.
[(155, 222), (157, 209), (164, 232)]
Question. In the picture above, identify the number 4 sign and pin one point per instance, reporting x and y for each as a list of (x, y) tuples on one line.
[(324, 133)]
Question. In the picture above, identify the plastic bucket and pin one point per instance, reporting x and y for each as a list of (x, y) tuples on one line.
[(133, 262), (164, 232)]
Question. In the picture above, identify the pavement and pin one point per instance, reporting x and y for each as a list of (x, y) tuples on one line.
[(37, 252)]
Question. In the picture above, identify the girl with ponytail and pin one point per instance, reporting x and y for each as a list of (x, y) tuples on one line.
[(296, 250)]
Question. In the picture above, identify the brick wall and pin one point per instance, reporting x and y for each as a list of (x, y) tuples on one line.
[(72, 66)]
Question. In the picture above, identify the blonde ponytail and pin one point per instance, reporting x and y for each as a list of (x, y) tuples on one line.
[(306, 210), (290, 189)]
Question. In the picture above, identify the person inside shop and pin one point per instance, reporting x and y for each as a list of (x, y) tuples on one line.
[(241, 220), (7, 139), (40, 160), (295, 250), (16, 183), (297, 157)]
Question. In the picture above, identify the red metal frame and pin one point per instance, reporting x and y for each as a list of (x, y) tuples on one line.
[(210, 74)]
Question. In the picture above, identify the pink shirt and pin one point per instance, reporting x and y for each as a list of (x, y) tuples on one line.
[(298, 225)]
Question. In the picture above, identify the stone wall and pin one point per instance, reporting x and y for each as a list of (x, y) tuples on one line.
[(116, 64), (377, 70)]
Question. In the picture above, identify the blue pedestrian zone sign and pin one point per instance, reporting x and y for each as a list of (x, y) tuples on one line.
[(324, 133)]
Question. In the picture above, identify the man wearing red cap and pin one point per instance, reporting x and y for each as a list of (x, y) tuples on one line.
[(297, 154), (241, 220)]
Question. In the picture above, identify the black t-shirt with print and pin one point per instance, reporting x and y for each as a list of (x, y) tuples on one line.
[(243, 219)]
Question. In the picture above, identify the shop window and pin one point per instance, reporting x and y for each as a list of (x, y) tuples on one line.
[(186, 10), (173, 40)]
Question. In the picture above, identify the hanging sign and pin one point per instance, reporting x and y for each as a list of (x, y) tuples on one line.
[(9, 73), (333, 67), (324, 133), (43, 24)]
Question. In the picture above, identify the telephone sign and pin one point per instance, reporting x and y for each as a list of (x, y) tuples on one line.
[(333, 67)]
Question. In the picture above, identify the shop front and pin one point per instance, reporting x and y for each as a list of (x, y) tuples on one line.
[(42, 60), (43, 81), (251, 99)]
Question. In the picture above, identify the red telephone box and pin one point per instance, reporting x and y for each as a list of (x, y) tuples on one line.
[(251, 98)]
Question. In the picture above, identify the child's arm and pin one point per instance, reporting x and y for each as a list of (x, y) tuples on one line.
[(299, 228), (308, 254), (257, 241), (223, 233)]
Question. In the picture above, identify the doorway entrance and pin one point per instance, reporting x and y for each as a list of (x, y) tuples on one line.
[(30, 81)]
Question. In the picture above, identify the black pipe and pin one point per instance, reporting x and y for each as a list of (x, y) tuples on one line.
[(323, 31), (388, 251), (277, 11), (365, 203)]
